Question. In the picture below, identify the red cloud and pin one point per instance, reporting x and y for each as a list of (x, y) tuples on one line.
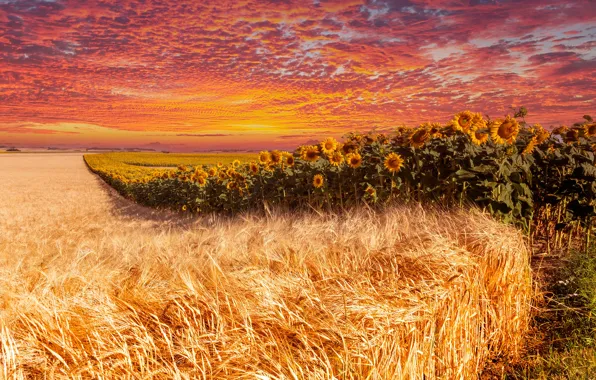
[(273, 68)]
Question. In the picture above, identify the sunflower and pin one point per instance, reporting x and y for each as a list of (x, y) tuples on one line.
[(329, 145), (236, 163), (220, 164), (560, 130), (590, 129), (290, 161), (401, 129), (276, 156), (370, 191), (541, 134), (349, 147), (382, 139), (478, 121), (354, 160), (420, 137), (212, 171), (462, 121), (504, 131), (200, 173), (530, 146), (393, 162), (264, 157), (434, 129), (336, 158), (222, 175), (310, 153), (318, 181), (253, 167), (201, 181), (478, 137), (571, 136), (232, 185), (182, 168), (184, 208)]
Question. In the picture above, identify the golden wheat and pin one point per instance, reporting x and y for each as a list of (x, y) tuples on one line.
[(92, 286)]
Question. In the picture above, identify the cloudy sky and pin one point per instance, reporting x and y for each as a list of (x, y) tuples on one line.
[(249, 74)]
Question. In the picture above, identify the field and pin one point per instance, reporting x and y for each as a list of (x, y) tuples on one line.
[(176, 159), (331, 261), (132, 166), (540, 180), (95, 286)]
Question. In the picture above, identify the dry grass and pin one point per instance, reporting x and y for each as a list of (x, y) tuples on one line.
[(92, 289)]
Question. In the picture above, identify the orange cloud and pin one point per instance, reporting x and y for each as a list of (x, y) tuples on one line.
[(265, 73)]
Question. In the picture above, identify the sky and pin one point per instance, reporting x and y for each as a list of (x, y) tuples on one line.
[(251, 74)]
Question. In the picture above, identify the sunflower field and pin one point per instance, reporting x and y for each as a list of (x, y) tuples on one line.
[(520, 173)]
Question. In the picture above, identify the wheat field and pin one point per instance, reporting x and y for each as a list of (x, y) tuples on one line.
[(92, 286)]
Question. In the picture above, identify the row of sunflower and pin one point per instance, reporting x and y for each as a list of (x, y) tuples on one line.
[(506, 166)]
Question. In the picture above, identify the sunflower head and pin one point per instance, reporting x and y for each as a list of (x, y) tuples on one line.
[(393, 162), (354, 160), (336, 158), (264, 157), (478, 137), (290, 161), (212, 171), (382, 138), (541, 134), (232, 185), (370, 191), (560, 130), (478, 121), (420, 137), (220, 164), (434, 130), (222, 175), (463, 121), (184, 208), (572, 136), (504, 131), (590, 130), (276, 156), (328, 145), (310, 153), (349, 147), (182, 168), (201, 173), (318, 181), (201, 181), (530, 146), (253, 167)]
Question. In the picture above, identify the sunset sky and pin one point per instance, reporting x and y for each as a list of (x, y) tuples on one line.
[(193, 75)]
